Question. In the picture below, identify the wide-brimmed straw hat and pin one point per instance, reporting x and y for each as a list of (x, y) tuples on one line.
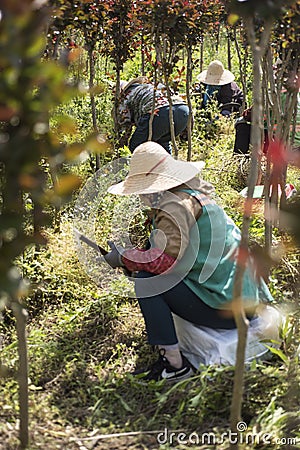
[(216, 75), (125, 85), (152, 169)]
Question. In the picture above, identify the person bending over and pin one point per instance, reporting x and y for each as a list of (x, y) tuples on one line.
[(135, 109)]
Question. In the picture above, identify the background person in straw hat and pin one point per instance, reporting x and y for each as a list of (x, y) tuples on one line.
[(135, 109), (219, 84), (189, 267)]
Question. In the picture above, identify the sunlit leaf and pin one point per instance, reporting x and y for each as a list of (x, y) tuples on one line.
[(66, 184), (75, 54), (278, 352), (98, 144), (99, 89), (36, 48), (27, 181), (66, 125), (73, 150), (232, 19)]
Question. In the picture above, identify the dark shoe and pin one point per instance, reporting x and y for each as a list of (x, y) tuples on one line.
[(162, 370)]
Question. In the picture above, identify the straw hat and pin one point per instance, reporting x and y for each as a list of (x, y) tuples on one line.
[(152, 169), (125, 85), (216, 74)]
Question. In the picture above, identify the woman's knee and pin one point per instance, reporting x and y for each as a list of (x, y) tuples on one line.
[(142, 285), (143, 274)]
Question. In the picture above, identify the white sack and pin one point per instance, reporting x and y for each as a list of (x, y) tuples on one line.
[(203, 345)]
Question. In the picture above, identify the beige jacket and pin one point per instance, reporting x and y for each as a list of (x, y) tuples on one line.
[(175, 215)]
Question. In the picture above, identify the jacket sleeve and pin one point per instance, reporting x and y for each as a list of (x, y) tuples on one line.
[(238, 95), (173, 222), (230, 93), (153, 260)]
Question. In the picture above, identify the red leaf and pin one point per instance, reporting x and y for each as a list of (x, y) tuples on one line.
[(6, 113), (248, 206), (242, 256), (277, 152)]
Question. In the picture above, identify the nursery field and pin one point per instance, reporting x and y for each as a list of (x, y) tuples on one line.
[(71, 330), (84, 339)]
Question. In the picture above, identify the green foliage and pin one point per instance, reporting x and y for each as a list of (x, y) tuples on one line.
[(78, 112), (84, 339), (290, 215), (182, 22), (30, 87), (256, 8)]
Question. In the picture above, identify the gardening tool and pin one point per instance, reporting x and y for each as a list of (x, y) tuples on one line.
[(89, 242), (98, 248)]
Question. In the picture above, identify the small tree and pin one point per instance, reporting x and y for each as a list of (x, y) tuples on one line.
[(82, 21), (170, 26), (258, 18), (119, 34), (30, 87), (281, 83)]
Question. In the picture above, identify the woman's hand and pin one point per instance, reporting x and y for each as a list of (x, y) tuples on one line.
[(114, 257)]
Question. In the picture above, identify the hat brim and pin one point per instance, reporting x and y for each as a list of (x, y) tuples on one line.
[(149, 183), (123, 85), (225, 78), (138, 80)]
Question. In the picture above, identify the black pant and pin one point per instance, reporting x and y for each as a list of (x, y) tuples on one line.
[(180, 300), (161, 132)]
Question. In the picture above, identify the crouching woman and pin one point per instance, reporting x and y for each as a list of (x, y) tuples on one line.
[(190, 265)]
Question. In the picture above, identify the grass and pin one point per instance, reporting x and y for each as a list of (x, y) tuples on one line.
[(84, 338)]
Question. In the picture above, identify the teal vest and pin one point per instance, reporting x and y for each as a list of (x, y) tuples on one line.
[(209, 262)]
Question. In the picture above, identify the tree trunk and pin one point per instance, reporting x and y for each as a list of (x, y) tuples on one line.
[(21, 319), (92, 96), (188, 99), (228, 51), (218, 39), (280, 107), (142, 54), (54, 178), (173, 140), (56, 45), (166, 80), (242, 72), (258, 50), (267, 210), (150, 132), (201, 53), (116, 110)]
